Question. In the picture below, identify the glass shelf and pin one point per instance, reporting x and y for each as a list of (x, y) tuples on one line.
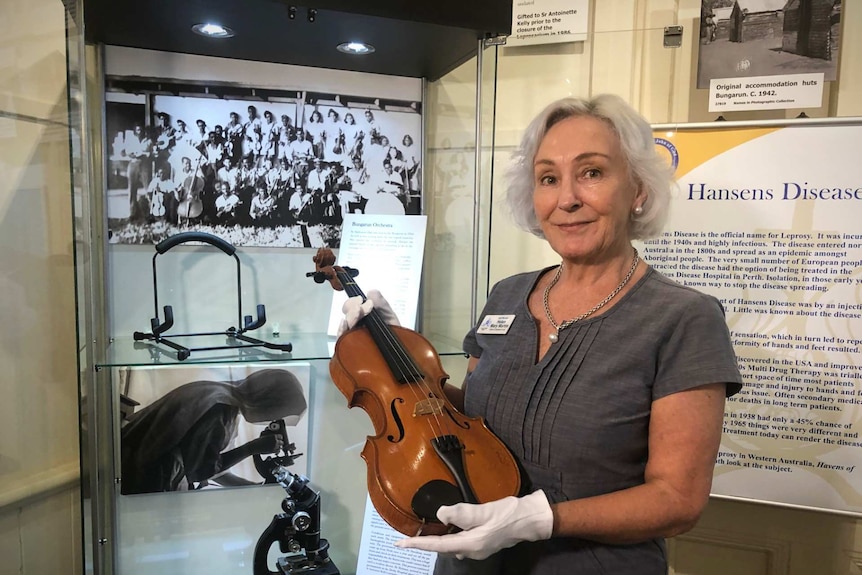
[(125, 351)]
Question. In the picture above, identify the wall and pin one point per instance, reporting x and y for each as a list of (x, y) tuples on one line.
[(39, 469), (624, 55)]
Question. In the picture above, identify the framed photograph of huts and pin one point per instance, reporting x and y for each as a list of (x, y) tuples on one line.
[(752, 38)]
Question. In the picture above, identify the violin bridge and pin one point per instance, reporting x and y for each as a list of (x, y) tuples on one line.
[(430, 406)]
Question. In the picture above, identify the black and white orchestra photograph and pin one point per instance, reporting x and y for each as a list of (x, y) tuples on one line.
[(278, 170)]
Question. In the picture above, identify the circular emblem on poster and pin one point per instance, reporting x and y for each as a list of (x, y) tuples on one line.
[(672, 153)]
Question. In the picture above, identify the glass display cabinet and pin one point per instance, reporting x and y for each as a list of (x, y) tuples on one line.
[(187, 278)]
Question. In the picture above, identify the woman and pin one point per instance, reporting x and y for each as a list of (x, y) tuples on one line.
[(413, 171), (235, 133), (269, 137), (609, 385), (336, 146), (353, 136), (396, 158), (317, 131), (178, 442)]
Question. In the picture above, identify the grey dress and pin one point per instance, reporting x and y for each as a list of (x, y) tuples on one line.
[(578, 420)]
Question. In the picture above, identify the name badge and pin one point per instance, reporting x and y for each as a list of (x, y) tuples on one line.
[(496, 324)]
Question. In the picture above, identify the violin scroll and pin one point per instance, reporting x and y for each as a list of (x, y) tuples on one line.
[(325, 269)]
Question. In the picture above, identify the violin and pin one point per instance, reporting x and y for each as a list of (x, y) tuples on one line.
[(425, 453), (264, 206), (157, 207), (338, 148), (229, 208), (165, 140)]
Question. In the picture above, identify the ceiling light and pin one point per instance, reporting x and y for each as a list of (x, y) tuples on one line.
[(211, 30), (355, 48)]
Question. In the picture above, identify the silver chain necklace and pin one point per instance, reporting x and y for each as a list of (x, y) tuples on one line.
[(554, 337)]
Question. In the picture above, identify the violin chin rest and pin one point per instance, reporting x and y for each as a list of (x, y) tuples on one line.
[(432, 496)]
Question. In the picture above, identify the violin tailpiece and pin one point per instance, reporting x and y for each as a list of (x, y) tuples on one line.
[(451, 451)]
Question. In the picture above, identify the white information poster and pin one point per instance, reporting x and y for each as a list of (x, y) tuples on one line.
[(766, 92), (767, 220), (388, 252), (548, 22), (378, 554)]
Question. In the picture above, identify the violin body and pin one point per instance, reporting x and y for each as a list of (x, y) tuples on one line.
[(157, 205), (338, 148), (406, 418), (191, 208)]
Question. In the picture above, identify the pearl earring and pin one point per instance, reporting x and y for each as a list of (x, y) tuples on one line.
[(638, 210)]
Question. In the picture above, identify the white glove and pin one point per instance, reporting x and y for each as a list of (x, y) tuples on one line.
[(488, 527), (355, 309)]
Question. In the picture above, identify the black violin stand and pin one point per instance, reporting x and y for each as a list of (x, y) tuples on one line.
[(237, 337)]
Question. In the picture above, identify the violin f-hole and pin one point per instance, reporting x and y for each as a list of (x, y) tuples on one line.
[(398, 421), (462, 425)]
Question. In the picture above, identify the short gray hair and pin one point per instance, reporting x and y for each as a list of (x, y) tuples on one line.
[(645, 166)]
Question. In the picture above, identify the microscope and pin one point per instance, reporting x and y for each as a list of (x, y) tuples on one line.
[(297, 529)]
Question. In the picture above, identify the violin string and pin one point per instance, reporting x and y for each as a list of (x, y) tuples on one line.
[(401, 358), (404, 362), (404, 366)]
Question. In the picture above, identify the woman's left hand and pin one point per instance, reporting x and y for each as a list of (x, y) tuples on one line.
[(355, 309), (488, 527)]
